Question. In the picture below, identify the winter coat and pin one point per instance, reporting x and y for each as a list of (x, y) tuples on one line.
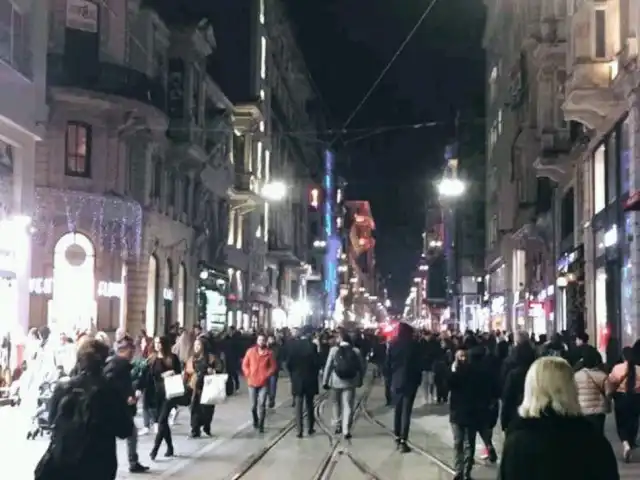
[(555, 447), (303, 365), (592, 389)]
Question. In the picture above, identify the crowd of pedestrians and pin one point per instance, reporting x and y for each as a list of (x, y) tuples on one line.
[(550, 397)]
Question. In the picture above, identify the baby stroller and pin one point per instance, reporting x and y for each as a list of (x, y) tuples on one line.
[(40, 419)]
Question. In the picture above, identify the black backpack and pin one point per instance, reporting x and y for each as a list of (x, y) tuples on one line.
[(346, 363), (72, 426), (75, 415)]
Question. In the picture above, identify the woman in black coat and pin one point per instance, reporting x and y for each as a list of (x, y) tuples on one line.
[(404, 364), (550, 439)]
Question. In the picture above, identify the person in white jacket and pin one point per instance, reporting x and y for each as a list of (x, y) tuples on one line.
[(593, 388)]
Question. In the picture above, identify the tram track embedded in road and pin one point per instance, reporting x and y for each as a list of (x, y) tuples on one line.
[(447, 468), (255, 461)]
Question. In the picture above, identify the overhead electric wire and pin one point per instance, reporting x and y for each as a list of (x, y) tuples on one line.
[(386, 68)]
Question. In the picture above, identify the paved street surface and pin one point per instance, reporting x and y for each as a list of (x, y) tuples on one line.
[(235, 441), (431, 424), (19, 456)]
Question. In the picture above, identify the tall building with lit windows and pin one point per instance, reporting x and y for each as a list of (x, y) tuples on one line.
[(562, 252), (264, 73)]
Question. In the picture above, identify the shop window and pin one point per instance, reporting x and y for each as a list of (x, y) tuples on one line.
[(601, 311), (612, 169), (599, 179), (625, 156), (182, 290), (152, 296), (78, 150)]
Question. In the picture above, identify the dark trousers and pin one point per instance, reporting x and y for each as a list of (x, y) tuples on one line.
[(626, 408), (402, 414), (164, 430), (235, 379), (201, 416), (597, 421), (464, 447), (387, 389), (302, 402), (132, 447)]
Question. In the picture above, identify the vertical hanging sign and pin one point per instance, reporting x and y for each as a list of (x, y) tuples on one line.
[(82, 15)]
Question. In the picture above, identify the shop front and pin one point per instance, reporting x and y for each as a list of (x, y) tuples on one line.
[(236, 315), (213, 289), (14, 281), (613, 303), (570, 280)]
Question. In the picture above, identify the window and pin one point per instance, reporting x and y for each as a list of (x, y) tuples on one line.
[(172, 190), (239, 231), (78, 150), (599, 179), (196, 90), (14, 38), (259, 161), (239, 151), (263, 57), (600, 48), (261, 13), (156, 186), (231, 238), (186, 187)]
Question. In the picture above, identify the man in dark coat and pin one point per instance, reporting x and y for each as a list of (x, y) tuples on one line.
[(303, 364)]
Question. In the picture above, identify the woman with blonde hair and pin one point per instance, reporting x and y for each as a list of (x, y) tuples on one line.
[(551, 439)]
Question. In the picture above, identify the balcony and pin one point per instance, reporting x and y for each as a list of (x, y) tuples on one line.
[(244, 194), (550, 51), (282, 251), (107, 79), (187, 143), (553, 160)]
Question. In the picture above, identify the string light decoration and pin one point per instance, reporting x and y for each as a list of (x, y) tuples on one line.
[(116, 223)]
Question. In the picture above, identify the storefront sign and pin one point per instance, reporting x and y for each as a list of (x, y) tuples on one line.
[(82, 15), (111, 290), (44, 286)]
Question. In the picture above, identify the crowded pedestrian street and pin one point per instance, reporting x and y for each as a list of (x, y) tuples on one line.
[(234, 445)]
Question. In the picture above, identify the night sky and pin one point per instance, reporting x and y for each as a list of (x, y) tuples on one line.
[(346, 44)]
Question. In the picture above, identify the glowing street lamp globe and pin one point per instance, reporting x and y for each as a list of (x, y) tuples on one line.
[(274, 191), (451, 187)]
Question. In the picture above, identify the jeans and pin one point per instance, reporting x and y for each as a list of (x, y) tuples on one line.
[(164, 430), (273, 389), (597, 420), (429, 385), (302, 401), (343, 402), (201, 416), (626, 409), (149, 416), (402, 414), (132, 447), (464, 446), (258, 398)]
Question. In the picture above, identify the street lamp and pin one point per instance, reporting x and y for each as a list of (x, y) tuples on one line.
[(451, 187), (274, 191)]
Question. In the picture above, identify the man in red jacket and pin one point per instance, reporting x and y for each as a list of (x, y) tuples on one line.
[(258, 366)]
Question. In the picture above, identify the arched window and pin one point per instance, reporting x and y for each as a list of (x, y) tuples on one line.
[(168, 295), (74, 285), (182, 292), (152, 296)]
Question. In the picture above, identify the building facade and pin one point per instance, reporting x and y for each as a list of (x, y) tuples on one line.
[(23, 111), (133, 175), (572, 73)]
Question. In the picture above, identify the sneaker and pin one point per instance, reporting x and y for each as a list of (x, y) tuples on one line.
[(143, 431), (138, 468)]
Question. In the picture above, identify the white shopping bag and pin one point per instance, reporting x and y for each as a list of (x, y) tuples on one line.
[(214, 390), (173, 386)]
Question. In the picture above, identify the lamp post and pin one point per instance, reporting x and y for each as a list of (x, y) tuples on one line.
[(451, 188)]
